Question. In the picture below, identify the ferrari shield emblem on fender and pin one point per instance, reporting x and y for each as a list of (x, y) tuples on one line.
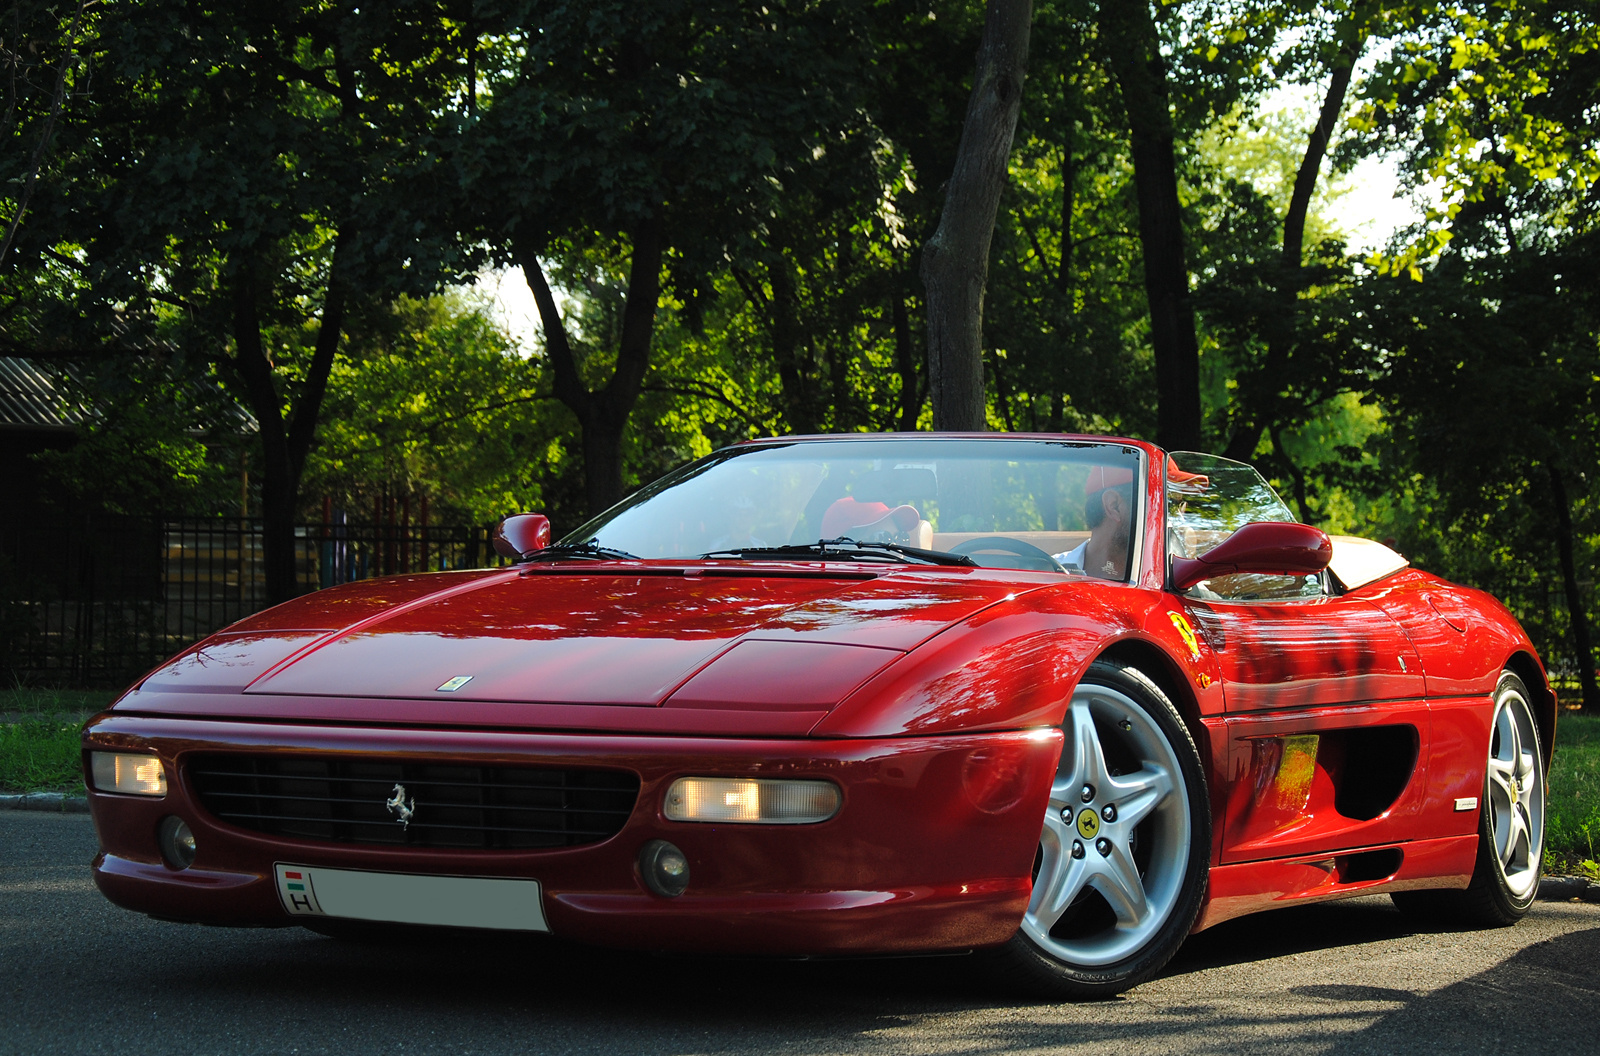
[(1185, 632)]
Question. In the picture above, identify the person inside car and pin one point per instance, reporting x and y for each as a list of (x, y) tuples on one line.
[(1108, 511)]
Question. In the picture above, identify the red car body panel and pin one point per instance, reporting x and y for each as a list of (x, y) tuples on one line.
[(879, 877), (930, 695)]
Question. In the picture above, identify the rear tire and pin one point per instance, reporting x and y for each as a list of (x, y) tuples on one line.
[(1510, 825), (1125, 849)]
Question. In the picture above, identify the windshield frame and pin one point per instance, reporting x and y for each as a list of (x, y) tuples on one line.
[(1140, 561)]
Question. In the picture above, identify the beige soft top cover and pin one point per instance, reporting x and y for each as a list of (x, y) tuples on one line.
[(1358, 562)]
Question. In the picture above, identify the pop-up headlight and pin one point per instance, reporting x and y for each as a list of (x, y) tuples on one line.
[(756, 801), (133, 775), (782, 676)]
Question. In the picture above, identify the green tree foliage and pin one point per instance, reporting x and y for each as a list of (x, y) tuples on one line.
[(663, 131), (153, 439), (429, 402), (231, 186), (721, 209), (39, 49), (1488, 359), (1068, 349)]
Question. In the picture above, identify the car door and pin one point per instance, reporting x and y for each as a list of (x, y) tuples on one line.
[(1306, 652), (1326, 723)]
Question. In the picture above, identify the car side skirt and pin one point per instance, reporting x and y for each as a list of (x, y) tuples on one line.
[(1250, 887)]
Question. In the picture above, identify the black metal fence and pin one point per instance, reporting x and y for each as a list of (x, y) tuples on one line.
[(97, 602)]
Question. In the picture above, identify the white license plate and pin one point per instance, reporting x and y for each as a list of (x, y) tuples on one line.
[(404, 898)]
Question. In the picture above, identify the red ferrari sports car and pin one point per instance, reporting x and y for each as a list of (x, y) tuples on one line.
[(1062, 700)]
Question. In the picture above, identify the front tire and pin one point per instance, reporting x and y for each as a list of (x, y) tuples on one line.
[(1126, 846), (1510, 824)]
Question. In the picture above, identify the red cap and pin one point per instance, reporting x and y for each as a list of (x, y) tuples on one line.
[(1178, 476), (847, 514)]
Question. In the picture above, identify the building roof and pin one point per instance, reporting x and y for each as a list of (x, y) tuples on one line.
[(31, 400)]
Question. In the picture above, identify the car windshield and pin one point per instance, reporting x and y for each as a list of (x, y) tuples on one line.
[(1001, 503), (1208, 499)]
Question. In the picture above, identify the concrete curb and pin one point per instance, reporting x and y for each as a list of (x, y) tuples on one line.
[(54, 802), (1568, 889)]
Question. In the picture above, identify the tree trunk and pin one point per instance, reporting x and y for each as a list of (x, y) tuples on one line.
[(905, 364), (1128, 34), (1072, 103), (284, 446), (1065, 281), (955, 261), (1262, 392), (795, 382), (1297, 478), (603, 415), (779, 312), (1577, 611), (602, 463)]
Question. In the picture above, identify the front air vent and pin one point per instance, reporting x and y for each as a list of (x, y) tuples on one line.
[(413, 804)]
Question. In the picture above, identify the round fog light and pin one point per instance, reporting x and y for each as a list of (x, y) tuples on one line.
[(665, 869), (177, 842)]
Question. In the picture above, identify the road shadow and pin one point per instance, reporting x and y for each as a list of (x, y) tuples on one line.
[(1545, 999), (585, 980), (79, 975), (452, 968), (1296, 929)]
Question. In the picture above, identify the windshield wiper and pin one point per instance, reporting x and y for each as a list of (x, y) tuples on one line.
[(850, 550), (590, 551)]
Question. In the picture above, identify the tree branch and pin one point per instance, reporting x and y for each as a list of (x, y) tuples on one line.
[(690, 387), (45, 136), (1305, 180), (303, 424), (569, 386), (250, 359), (431, 428), (638, 315)]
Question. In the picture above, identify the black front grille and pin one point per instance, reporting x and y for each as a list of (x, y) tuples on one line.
[(347, 800)]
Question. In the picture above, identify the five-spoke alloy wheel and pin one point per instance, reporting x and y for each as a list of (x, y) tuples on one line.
[(1516, 791), (1122, 861)]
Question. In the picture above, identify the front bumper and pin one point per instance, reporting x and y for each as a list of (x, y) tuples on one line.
[(932, 849)]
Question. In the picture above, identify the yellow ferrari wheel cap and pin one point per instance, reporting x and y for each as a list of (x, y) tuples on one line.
[(1088, 824)]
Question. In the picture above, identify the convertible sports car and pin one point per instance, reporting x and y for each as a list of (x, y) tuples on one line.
[(1061, 700)]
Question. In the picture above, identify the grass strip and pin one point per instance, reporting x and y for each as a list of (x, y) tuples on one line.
[(52, 703), (40, 755), (1572, 809)]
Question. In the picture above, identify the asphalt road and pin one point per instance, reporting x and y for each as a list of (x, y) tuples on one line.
[(78, 975)]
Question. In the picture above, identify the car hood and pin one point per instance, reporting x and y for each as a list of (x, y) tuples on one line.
[(639, 636)]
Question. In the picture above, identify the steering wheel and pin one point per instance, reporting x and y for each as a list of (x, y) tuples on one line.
[(1032, 557)]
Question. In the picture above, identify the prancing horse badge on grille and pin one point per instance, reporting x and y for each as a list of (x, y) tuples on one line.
[(398, 806)]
